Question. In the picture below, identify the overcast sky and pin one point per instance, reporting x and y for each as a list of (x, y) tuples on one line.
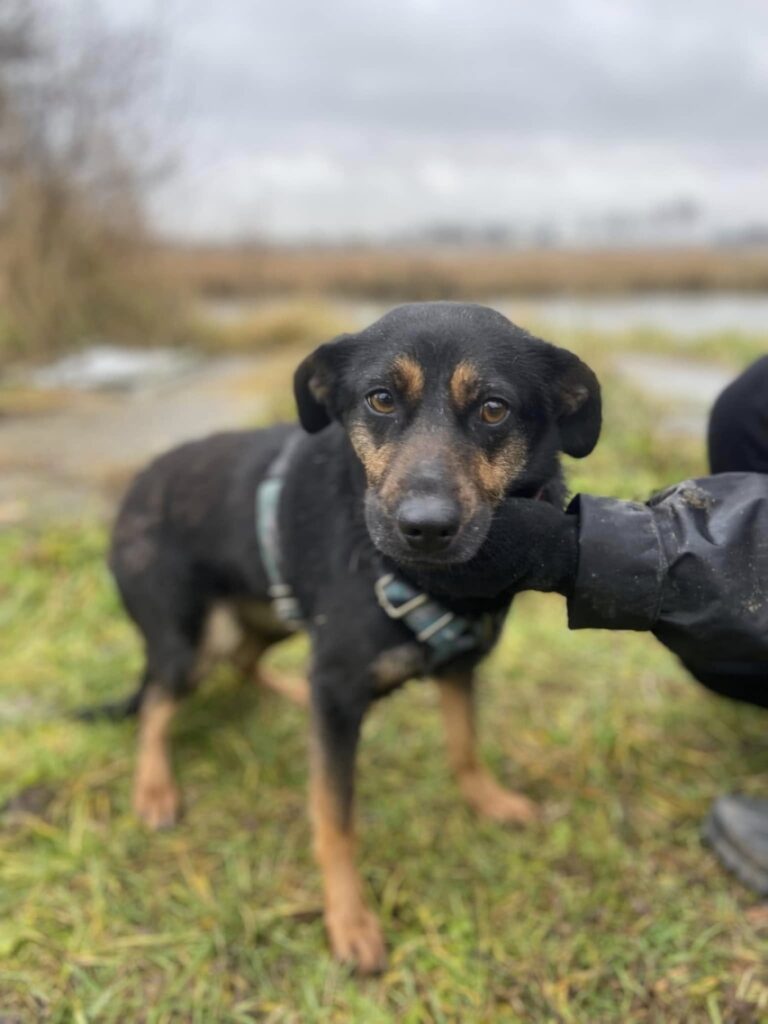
[(339, 116)]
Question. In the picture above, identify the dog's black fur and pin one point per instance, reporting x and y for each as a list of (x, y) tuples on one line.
[(412, 486)]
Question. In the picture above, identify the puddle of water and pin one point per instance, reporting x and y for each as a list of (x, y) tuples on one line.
[(684, 316), (112, 368)]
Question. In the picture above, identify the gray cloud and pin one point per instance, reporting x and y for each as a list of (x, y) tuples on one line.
[(346, 114)]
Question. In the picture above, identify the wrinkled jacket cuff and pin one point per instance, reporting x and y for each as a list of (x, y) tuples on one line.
[(621, 566)]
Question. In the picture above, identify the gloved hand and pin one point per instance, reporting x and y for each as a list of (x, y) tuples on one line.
[(532, 545), (537, 546)]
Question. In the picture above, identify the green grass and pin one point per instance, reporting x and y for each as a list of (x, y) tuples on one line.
[(608, 910)]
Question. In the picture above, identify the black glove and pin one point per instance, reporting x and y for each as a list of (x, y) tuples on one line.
[(532, 545), (537, 546)]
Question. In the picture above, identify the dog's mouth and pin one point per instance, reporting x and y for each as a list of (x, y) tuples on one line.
[(429, 543), (398, 553)]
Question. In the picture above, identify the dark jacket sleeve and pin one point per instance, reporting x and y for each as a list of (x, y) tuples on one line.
[(691, 565)]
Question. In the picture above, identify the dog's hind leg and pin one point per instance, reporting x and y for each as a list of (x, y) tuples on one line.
[(156, 798), (247, 659), (169, 605), (480, 789), (254, 644), (171, 668)]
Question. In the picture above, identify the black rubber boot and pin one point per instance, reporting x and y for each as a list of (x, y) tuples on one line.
[(737, 831)]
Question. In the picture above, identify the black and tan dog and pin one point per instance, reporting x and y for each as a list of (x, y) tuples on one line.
[(416, 430)]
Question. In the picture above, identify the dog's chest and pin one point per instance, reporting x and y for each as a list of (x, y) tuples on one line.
[(396, 665)]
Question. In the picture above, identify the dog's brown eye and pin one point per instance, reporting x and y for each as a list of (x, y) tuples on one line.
[(494, 411), (381, 401)]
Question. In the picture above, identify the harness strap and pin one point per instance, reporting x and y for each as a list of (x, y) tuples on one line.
[(268, 535), (446, 634)]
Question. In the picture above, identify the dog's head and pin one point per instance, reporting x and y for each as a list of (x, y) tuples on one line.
[(450, 408)]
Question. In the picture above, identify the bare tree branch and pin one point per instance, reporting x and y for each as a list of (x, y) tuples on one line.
[(77, 154)]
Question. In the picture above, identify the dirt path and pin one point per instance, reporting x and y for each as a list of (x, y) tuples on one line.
[(71, 460)]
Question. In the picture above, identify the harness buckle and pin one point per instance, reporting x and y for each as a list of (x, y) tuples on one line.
[(398, 611)]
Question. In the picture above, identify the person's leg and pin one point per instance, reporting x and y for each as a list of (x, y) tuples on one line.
[(737, 826), (738, 424)]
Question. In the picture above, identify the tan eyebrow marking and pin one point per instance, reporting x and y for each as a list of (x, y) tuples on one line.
[(464, 384), (409, 377)]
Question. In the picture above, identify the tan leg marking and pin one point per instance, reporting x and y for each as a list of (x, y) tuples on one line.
[(248, 660), (480, 789), (294, 688), (155, 795), (353, 930)]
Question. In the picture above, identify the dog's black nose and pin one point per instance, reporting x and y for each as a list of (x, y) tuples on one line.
[(428, 524)]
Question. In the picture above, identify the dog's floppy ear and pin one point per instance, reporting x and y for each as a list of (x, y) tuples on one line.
[(578, 405), (315, 381)]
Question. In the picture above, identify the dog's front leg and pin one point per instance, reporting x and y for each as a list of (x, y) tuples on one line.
[(478, 786), (353, 930)]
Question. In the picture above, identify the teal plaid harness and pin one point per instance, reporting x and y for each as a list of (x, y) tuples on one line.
[(445, 634)]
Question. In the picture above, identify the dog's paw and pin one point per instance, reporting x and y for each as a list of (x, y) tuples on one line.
[(491, 800), (509, 808), (356, 939), (157, 804)]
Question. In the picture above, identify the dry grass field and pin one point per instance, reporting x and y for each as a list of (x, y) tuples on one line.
[(391, 274), (149, 299)]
